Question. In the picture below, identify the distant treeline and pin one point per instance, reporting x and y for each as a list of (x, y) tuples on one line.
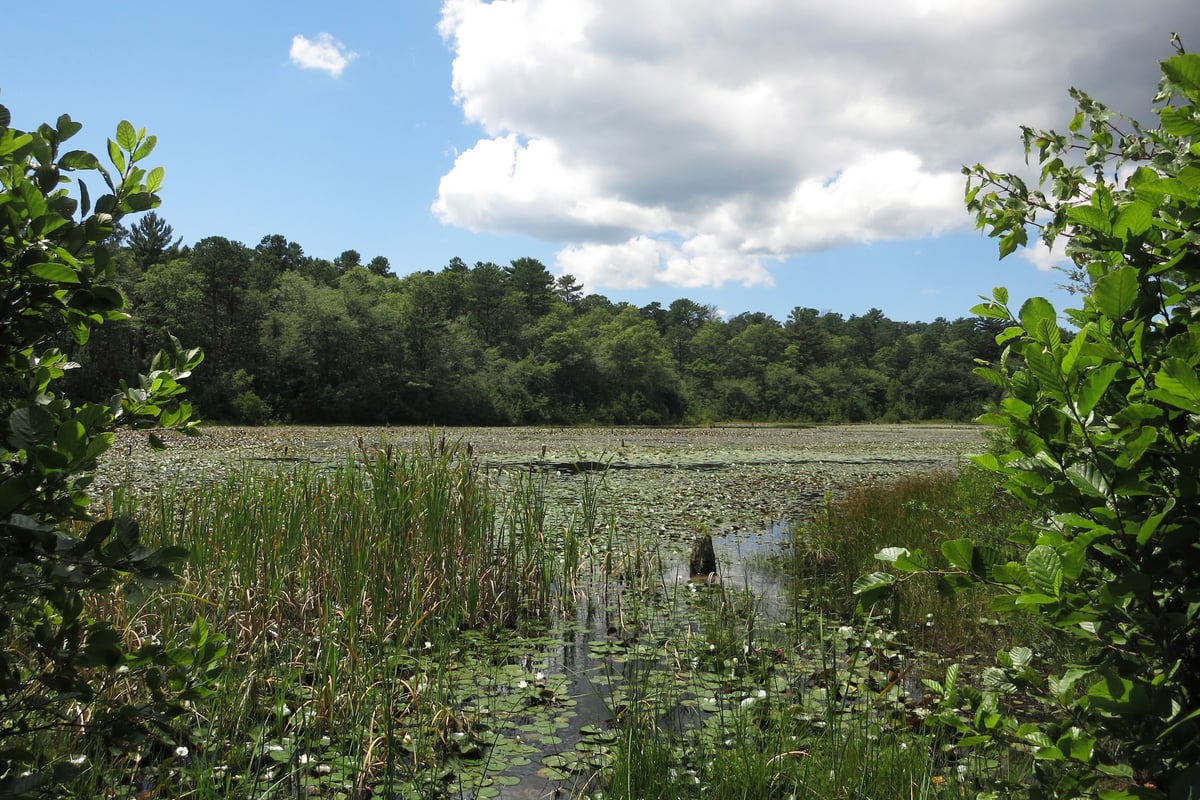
[(291, 338)]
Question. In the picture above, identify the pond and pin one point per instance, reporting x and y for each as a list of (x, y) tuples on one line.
[(640, 637)]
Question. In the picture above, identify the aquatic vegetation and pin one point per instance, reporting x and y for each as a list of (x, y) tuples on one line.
[(433, 620)]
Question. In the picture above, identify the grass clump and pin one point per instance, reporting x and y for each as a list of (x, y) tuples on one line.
[(921, 512), (340, 597)]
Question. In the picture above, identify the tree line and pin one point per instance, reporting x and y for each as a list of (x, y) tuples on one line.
[(293, 338)]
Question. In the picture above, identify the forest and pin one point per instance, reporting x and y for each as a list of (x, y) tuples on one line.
[(292, 338)]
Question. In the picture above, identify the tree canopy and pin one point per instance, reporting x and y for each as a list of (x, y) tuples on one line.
[(293, 338)]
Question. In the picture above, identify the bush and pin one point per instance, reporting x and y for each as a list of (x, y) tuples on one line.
[(62, 669), (1103, 432)]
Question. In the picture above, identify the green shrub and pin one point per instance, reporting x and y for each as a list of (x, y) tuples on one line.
[(1104, 442), (64, 671)]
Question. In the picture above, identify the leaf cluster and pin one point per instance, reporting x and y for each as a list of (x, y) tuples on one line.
[(1103, 439), (61, 667)]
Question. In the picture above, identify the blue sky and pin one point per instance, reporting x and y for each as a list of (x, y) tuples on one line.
[(755, 156)]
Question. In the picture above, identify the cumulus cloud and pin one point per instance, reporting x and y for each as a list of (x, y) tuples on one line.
[(670, 142), (1047, 258), (324, 53)]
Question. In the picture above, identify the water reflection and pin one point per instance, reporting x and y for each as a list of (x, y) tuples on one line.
[(598, 651)]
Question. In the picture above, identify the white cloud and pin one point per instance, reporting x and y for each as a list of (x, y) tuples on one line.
[(671, 142), (1047, 258), (325, 53)]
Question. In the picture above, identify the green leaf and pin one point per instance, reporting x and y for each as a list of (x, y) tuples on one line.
[(1095, 384), (1034, 310), (1020, 656), (1120, 695), (1184, 71), (890, 554), (1045, 368), (1017, 237), (1176, 384), (78, 159), (912, 562), (30, 427), (1180, 121), (1150, 526), (1045, 570), (1116, 292), (103, 648), (126, 135), (1090, 217), (1087, 478), (145, 148), (55, 272), (1156, 191), (13, 493), (116, 156), (873, 587), (154, 179), (960, 553)]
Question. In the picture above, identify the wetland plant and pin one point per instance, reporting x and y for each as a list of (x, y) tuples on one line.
[(342, 596)]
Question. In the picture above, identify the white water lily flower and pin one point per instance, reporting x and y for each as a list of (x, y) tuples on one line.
[(181, 752), (541, 676), (78, 760), (523, 685)]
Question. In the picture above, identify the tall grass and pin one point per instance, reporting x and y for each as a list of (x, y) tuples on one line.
[(829, 704), (339, 592), (919, 511), (345, 596)]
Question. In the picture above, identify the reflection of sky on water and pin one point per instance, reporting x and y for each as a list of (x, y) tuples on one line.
[(744, 564)]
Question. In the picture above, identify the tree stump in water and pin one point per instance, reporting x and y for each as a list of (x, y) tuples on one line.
[(704, 558)]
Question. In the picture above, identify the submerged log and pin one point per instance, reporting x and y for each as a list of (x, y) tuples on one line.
[(704, 558)]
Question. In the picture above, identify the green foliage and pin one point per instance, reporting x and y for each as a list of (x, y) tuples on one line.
[(931, 512), (62, 668), (297, 339), (1103, 434)]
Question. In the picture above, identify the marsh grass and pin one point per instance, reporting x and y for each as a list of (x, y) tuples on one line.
[(828, 705), (338, 593), (362, 607), (918, 512), (805, 710)]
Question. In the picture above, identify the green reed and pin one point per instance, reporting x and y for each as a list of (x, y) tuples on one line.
[(337, 591), (919, 511)]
